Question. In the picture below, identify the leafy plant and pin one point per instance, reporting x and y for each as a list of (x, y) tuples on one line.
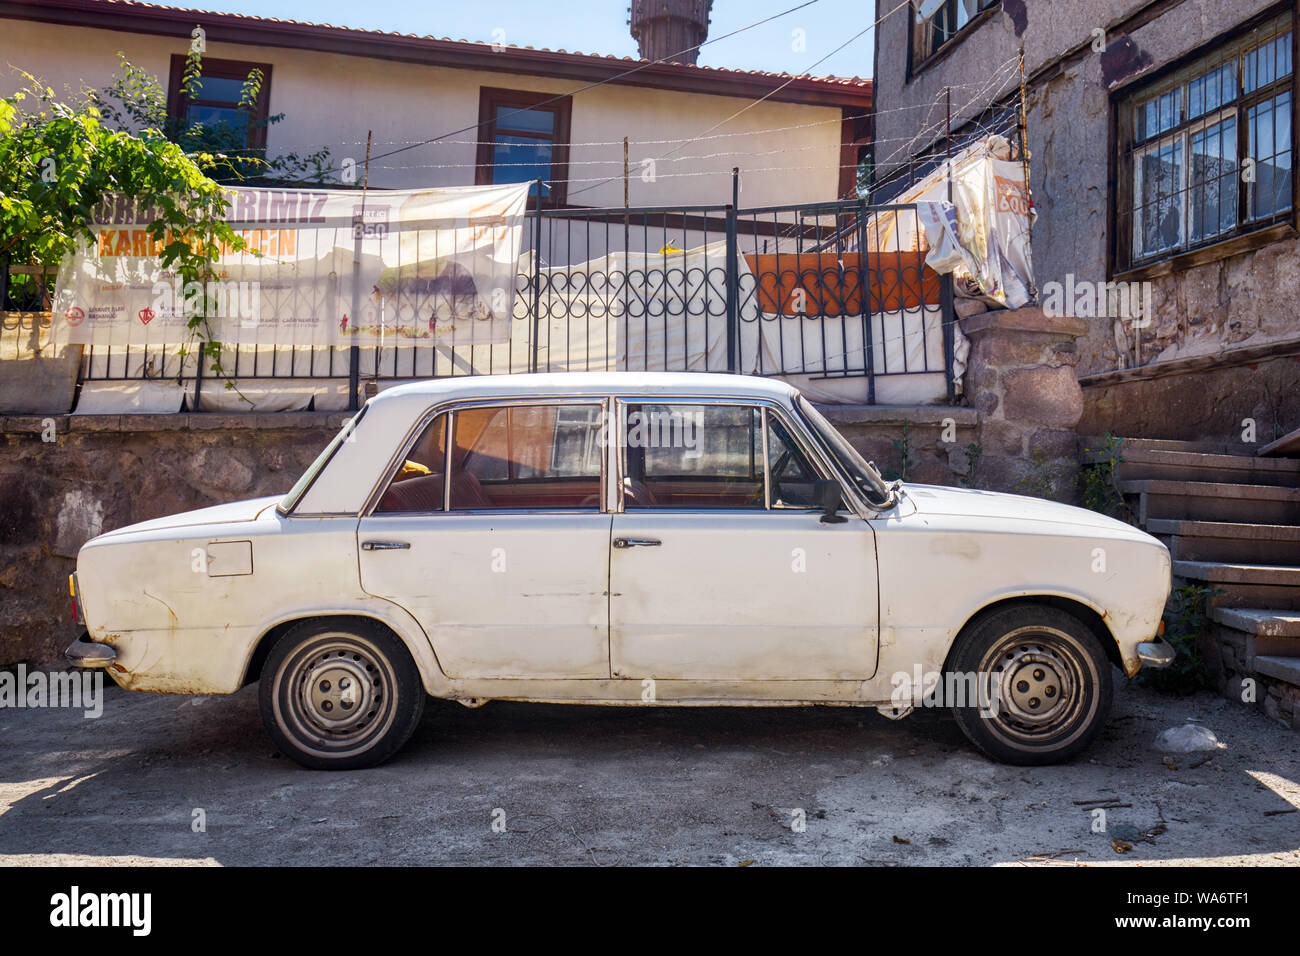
[(60, 160), (1099, 480), (903, 445), (1041, 479), (1186, 620), (136, 101), (974, 452)]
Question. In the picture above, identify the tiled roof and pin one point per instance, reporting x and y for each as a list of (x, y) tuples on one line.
[(148, 17)]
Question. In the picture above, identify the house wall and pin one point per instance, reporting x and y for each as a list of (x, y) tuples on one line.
[(332, 100), (1246, 300)]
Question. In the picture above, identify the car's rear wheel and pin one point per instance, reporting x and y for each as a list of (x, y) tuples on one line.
[(340, 695), (1042, 685)]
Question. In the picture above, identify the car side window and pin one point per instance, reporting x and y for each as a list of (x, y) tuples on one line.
[(709, 456), (790, 475), (535, 456), (418, 485)]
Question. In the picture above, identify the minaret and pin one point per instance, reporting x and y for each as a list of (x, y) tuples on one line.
[(664, 28)]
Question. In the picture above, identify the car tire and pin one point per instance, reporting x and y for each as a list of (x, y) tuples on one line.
[(340, 695), (1043, 685)]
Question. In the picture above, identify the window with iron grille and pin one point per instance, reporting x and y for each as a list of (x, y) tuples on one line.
[(1206, 152), (935, 23), (523, 137)]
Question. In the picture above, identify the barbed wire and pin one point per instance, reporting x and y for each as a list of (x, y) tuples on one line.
[(929, 130)]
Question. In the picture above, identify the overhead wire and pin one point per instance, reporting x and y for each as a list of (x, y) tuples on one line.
[(871, 26), (618, 76)]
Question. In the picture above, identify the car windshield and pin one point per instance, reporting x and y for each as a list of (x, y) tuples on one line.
[(868, 481), (288, 501)]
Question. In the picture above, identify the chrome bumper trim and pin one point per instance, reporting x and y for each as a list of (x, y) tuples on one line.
[(86, 653), (1157, 653)]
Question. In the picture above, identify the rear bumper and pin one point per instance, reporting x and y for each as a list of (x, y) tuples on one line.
[(1156, 653), (86, 653)]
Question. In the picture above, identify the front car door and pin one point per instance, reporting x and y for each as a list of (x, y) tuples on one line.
[(491, 534), (721, 567)]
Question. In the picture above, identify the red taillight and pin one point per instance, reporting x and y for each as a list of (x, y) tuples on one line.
[(72, 591)]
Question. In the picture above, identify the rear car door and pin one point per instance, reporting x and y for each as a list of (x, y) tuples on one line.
[(721, 567), (491, 534)]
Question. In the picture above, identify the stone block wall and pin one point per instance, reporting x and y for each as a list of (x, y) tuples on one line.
[(1225, 653), (65, 479), (1021, 379), (934, 440), (1200, 404)]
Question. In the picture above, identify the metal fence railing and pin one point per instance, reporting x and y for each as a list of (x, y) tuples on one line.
[(833, 290)]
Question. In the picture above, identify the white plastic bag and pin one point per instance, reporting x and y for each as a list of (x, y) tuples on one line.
[(1187, 739)]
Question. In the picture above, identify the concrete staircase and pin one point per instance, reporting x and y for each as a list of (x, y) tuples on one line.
[(1231, 521)]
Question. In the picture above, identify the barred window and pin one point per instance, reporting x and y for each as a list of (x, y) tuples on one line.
[(1206, 152)]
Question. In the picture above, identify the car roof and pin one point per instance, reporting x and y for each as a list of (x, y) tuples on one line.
[(590, 383), (358, 463)]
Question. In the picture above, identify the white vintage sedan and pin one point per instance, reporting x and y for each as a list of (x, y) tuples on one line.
[(632, 539)]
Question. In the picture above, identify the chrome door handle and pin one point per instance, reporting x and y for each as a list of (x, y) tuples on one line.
[(637, 542), (385, 545)]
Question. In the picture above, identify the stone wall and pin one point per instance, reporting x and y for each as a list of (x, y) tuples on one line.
[(1226, 655), (1021, 380), (64, 480), (933, 439), (1205, 404)]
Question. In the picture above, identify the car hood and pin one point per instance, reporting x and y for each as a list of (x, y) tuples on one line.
[(967, 502), (217, 514)]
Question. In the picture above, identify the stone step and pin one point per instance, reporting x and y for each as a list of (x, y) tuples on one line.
[(1263, 631), (1192, 466), (1263, 622), (1142, 461), (1213, 501), (1287, 446), (1285, 669), (1088, 443), (1259, 586), (1236, 542)]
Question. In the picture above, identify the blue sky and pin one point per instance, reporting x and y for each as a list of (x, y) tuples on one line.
[(600, 26)]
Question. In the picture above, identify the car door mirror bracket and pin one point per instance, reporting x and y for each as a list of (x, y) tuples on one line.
[(831, 498)]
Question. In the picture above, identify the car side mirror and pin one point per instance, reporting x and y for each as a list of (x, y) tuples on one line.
[(831, 497)]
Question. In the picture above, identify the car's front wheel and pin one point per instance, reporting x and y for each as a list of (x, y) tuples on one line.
[(1035, 682), (340, 695)]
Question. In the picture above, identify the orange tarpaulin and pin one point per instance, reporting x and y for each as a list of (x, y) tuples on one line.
[(896, 280)]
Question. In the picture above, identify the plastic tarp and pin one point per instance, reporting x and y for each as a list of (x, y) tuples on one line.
[(323, 268), (138, 397), (982, 236)]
